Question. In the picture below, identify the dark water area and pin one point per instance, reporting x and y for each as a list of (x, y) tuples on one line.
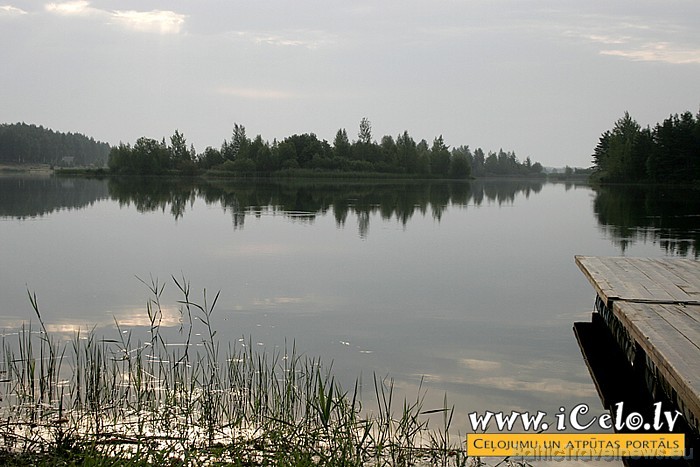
[(465, 288), (30, 196), (668, 216)]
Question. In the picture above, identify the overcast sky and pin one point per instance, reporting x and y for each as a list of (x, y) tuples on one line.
[(541, 78)]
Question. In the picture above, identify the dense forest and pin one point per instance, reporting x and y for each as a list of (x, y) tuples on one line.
[(668, 152), (240, 154), (21, 143)]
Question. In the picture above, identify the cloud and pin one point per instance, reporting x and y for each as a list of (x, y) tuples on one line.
[(607, 39), (170, 316), (158, 21), (481, 365), (543, 386), (276, 301), (636, 40), (9, 10), (76, 8), (154, 21), (658, 52), (309, 39)]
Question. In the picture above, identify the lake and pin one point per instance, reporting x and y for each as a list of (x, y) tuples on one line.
[(469, 289)]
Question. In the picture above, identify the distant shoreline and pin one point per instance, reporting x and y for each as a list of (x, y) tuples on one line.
[(290, 174), (300, 174), (26, 168)]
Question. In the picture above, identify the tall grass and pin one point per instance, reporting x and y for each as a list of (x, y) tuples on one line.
[(198, 401)]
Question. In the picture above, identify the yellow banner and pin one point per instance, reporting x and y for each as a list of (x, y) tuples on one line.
[(576, 445)]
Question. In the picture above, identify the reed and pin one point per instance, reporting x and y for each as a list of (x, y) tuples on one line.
[(106, 401)]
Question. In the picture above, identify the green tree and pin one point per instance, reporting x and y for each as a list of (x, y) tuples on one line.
[(365, 133), (677, 149), (239, 141), (491, 166), (407, 152), (423, 164), (616, 154), (389, 153), (478, 166), (178, 147), (181, 157), (600, 153), (364, 149), (439, 157), (147, 156), (210, 158), (341, 145), (150, 156), (287, 155), (460, 162), (121, 160), (641, 150), (306, 146), (238, 146), (621, 151), (255, 148)]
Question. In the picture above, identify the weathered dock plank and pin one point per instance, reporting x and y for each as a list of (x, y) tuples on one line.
[(672, 352), (643, 279), (657, 302)]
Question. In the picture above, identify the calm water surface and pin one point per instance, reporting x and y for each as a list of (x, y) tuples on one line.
[(471, 288)]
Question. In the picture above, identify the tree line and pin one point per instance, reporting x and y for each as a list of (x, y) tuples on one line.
[(21, 143), (241, 154), (668, 152)]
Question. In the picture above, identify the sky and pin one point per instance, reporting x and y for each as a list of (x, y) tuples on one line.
[(543, 79)]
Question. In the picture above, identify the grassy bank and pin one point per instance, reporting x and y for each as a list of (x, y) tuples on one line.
[(198, 400)]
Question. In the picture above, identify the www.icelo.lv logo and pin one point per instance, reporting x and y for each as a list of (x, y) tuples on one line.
[(577, 442)]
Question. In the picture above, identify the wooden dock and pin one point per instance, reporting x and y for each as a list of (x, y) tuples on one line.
[(652, 308)]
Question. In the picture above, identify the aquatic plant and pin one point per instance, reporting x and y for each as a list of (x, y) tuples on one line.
[(102, 401)]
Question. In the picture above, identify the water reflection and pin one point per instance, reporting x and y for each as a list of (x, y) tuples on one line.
[(28, 196), (668, 216), (665, 215), (32, 196), (458, 303), (149, 194), (305, 200)]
